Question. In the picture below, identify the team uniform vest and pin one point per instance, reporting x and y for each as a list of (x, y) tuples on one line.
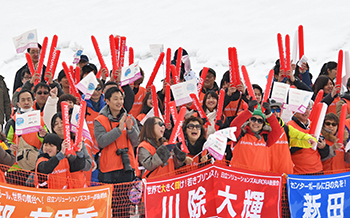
[(280, 158), (306, 160), (231, 108), (161, 170), (39, 109), (90, 117), (337, 162), (60, 176), (136, 108), (109, 160), (332, 107), (251, 152)]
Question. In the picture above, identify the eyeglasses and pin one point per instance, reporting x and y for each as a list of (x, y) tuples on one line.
[(191, 126), (259, 120), (278, 110), (40, 93), (98, 89), (329, 123), (160, 123)]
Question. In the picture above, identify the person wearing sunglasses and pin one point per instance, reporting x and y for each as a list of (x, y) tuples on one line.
[(154, 154), (254, 136), (281, 160), (330, 133)]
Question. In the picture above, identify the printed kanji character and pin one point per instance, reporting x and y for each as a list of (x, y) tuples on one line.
[(311, 208), (64, 214), (40, 214), (227, 201), (196, 202), (84, 213), (335, 207)]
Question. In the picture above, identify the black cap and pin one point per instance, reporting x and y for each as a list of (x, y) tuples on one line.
[(53, 139), (84, 58)]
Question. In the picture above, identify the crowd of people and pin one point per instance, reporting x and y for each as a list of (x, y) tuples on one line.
[(124, 146)]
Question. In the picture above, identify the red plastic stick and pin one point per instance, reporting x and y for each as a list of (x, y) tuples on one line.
[(41, 59), (177, 131), (287, 53), (131, 55), (117, 47), (66, 126), (301, 41), (122, 51), (30, 64), (166, 103), (236, 67), (113, 54), (268, 86), (247, 83), (77, 74), (318, 99), (341, 129), (178, 65), (220, 107), (80, 126), (70, 80), (99, 55), (314, 120), (173, 72), (155, 101), (202, 79), (57, 56), (230, 63), (199, 108), (155, 70), (52, 55), (339, 68), (173, 110), (168, 62), (280, 50)]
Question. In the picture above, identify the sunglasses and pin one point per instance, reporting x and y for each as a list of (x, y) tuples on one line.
[(160, 123), (40, 93), (259, 120), (98, 89), (329, 123), (191, 126), (278, 110)]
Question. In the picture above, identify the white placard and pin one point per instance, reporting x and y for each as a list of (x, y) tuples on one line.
[(26, 40), (182, 91), (74, 123), (299, 100), (216, 145), (28, 122), (130, 74), (280, 92), (150, 114), (88, 85), (302, 61), (78, 52)]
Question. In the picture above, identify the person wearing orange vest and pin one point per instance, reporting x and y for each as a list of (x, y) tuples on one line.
[(254, 137), (140, 93), (157, 158), (25, 76), (209, 84), (53, 161)]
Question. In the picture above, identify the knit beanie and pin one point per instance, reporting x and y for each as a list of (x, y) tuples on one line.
[(53, 139), (258, 112)]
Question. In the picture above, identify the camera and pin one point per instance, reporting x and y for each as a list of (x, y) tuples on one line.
[(125, 158)]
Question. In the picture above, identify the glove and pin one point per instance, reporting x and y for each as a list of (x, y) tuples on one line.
[(267, 108), (219, 123), (252, 104)]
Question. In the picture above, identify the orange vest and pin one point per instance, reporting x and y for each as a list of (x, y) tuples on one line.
[(332, 107), (60, 176), (136, 108), (231, 108), (335, 163), (90, 117), (306, 160), (251, 152), (140, 117), (280, 158), (169, 169), (109, 160)]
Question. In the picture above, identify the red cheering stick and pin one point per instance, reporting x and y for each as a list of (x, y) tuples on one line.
[(168, 62), (77, 74), (287, 53), (166, 103), (220, 107), (66, 126), (318, 99), (114, 55), (117, 47), (230, 63), (268, 86), (247, 83), (202, 79), (41, 60), (341, 129), (177, 131), (339, 68), (30, 64), (173, 110), (155, 70), (52, 55), (56, 55), (301, 41), (80, 125), (178, 65), (173, 72), (122, 52), (280, 49), (236, 67), (199, 109), (131, 55), (99, 55), (155, 101), (314, 119), (70, 80)]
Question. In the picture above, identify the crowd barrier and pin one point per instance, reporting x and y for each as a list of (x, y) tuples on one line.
[(123, 204)]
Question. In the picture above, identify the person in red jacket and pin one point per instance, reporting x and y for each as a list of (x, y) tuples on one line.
[(254, 137)]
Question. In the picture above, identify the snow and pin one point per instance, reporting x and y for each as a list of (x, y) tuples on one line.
[(204, 28)]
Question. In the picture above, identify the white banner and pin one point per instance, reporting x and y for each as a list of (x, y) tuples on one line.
[(26, 40), (88, 85), (28, 122), (130, 74)]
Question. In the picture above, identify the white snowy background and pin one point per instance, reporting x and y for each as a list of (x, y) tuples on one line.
[(204, 28)]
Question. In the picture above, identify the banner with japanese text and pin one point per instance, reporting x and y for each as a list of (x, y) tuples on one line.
[(19, 201), (319, 196), (214, 191)]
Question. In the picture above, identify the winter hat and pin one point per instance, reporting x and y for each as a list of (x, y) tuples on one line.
[(83, 59), (53, 139), (90, 67), (274, 103), (258, 112)]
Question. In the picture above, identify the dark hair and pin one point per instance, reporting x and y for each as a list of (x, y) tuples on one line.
[(65, 97), (225, 78), (147, 133), (145, 109), (23, 91), (53, 120), (110, 92), (297, 72), (256, 86), (110, 83), (39, 85), (87, 69), (348, 84), (24, 71), (194, 119), (320, 83), (210, 70), (210, 93), (328, 66), (332, 116), (140, 80), (100, 83), (276, 68), (39, 46), (61, 75)]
